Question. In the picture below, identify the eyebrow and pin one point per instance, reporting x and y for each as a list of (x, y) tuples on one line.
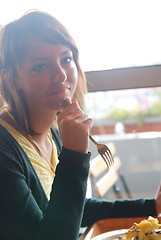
[(67, 51), (44, 58)]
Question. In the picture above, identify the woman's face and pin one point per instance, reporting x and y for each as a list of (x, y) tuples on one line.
[(47, 74)]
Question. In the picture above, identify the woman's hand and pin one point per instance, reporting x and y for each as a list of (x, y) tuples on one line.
[(74, 126), (158, 201)]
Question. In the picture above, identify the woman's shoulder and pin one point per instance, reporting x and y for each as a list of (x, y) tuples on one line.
[(8, 145), (5, 136)]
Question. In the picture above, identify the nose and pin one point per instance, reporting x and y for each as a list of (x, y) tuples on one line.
[(59, 74)]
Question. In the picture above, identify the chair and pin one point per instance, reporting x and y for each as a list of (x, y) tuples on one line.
[(103, 179)]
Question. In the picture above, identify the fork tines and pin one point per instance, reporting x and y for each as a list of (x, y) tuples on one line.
[(106, 154)]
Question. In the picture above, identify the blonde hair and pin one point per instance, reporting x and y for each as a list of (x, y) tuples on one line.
[(12, 49)]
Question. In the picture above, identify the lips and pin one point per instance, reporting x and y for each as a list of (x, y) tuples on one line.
[(59, 89)]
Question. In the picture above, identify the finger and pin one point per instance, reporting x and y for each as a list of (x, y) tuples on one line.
[(75, 117), (89, 123), (83, 117), (70, 109), (85, 120)]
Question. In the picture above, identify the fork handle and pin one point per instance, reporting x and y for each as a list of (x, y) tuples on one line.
[(91, 138)]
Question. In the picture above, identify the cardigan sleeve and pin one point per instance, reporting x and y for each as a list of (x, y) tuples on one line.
[(20, 214), (96, 209)]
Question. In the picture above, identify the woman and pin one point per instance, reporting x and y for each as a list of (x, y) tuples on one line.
[(43, 197)]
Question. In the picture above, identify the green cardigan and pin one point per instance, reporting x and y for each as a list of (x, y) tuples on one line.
[(25, 212)]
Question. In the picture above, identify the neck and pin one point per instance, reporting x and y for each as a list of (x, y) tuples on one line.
[(41, 142), (42, 121)]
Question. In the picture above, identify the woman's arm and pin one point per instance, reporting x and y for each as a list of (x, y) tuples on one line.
[(97, 209)]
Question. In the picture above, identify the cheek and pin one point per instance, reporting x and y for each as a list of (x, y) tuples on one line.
[(31, 84), (27, 85)]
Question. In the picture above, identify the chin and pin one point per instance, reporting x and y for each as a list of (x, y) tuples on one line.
[(56, 106)]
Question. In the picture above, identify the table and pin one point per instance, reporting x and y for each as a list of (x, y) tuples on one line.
[(106, 225)]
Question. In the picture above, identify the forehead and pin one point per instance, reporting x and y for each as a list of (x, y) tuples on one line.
[(37, 48)]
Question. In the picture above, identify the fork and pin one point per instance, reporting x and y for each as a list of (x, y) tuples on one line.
[(102, 149)]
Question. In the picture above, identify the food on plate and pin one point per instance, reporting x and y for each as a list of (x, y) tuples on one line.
[(149, 229)]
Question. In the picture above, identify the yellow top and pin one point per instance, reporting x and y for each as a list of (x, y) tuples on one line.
[(45, 175)]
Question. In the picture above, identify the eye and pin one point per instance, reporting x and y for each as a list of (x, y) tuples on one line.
[(67, 60), (39, 67)]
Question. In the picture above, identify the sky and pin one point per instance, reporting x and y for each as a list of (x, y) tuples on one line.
[(109, 33)]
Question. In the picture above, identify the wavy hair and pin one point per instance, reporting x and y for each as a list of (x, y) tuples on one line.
[(12, 49)]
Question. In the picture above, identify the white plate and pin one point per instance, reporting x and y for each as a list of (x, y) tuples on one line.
[(112, 235)]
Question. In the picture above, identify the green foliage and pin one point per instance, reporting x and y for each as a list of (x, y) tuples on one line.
[(122, 114), (154, 110)]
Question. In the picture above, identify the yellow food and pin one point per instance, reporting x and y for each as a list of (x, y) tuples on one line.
[(149, 229)]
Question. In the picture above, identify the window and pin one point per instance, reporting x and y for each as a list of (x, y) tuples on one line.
[(131, 119)]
